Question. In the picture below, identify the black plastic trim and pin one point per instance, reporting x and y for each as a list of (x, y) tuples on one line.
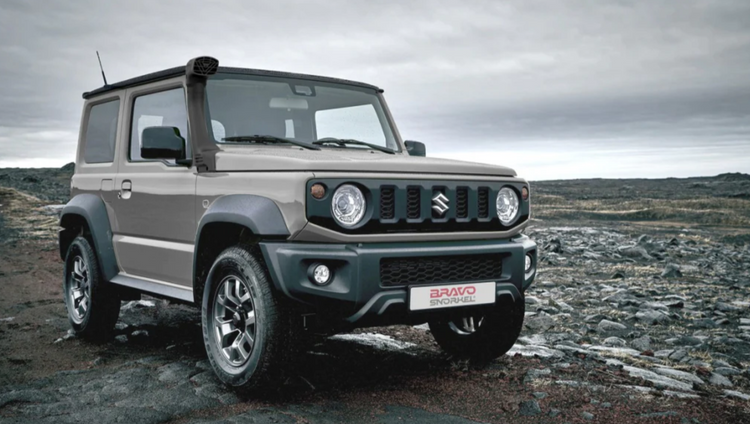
[(424, 220), (180, 70), (91, 208), (356, 289)]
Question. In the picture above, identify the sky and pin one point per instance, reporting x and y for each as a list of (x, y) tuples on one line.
[(554, 89)]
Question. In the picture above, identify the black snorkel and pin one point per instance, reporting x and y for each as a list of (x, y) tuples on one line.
[(197, 72)]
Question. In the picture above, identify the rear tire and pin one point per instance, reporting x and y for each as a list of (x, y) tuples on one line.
[(481, 334), (92, 303), (248, 328)]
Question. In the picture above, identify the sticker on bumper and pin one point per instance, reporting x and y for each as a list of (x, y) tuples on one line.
[(434, 297)]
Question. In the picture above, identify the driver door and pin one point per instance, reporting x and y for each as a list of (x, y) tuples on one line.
[(155, 205)]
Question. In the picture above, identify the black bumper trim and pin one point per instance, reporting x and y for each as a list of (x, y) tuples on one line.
[(355, 286)]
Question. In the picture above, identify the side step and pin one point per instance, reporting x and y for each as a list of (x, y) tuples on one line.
[(153, 286)]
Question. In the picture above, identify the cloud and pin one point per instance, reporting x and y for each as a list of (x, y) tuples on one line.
[(527, 81)]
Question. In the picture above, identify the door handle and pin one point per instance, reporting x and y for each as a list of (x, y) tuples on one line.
[(125, 190)]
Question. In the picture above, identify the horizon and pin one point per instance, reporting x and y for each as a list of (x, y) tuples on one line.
[(2, 168), (658, 92)]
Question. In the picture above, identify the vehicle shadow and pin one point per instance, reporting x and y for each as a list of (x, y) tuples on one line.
[(326, 366)]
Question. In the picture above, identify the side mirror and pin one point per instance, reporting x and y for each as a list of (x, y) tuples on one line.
[(415, 148), (162, 143)]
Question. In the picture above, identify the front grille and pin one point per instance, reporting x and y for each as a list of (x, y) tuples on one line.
[(462, 202), (484, 202), (441, 269), (387, 202), (413, 199), (413, 206)]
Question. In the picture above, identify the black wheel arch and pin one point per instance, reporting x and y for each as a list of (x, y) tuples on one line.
[(87, 214), (233, 219)]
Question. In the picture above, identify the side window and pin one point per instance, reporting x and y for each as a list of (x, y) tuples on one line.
[(165, 108), (101, 132), (358, 122)]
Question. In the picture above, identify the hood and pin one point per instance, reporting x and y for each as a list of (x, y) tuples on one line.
[(287, 158)]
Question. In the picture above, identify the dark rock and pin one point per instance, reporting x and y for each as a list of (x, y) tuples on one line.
[(652, 317), (727, 371), (705, 323), (678, 355), (642, 343), (539, 323), (535, 374), (635, 252), (554, 245), (726, 307), (719, 380), (529, 408), (671, 271), (614, 342), (605, 326)]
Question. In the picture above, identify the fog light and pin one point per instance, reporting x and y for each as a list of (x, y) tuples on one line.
[(321, 274), (529, 263)]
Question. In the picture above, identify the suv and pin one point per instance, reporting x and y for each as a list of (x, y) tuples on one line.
[(283, 205)]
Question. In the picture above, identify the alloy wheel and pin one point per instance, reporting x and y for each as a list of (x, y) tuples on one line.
[(466, 325), (79, 290), (233, 318)]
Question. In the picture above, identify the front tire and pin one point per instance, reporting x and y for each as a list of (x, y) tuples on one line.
[(247, 326), (480, 334), (92, 304)]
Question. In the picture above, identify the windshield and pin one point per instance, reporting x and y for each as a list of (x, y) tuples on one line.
[(242, 106)]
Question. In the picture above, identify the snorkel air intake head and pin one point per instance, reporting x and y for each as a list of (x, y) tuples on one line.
[(203, 66)]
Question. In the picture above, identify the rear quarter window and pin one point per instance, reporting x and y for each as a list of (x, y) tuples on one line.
[(101, 132)]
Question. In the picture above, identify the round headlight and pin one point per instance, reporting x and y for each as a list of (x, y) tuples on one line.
[(507, 205), (348, 205)]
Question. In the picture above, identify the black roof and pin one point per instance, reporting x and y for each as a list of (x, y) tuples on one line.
[(180, 70)]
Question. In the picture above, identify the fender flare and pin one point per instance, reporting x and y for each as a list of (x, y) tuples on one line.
[(93, 210), (259, 214)]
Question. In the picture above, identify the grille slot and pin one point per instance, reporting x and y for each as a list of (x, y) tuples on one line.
[(484, 202), (462, 202), (441, 269), (413, 203), (387, 202)]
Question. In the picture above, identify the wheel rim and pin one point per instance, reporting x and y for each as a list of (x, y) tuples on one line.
[(466, 325), (79, 290), (233, 320)]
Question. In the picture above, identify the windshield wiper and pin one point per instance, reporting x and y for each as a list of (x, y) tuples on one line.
[(268, 139), (344, 141)]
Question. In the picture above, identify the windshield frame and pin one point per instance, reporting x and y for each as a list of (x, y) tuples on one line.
[(387, 123)]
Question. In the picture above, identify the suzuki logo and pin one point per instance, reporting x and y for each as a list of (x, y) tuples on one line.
[(440, 203)]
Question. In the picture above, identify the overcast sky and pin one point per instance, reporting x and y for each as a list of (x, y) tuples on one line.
[(554, 89)]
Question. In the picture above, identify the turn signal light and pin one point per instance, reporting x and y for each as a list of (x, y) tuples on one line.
[(525, 193), (318, 191)]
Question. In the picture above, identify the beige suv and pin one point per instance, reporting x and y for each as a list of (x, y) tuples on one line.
[(281, 204)]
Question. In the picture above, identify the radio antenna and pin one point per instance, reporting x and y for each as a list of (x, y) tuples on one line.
[(104, 77)]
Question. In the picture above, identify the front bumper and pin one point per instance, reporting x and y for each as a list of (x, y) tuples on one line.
[(356, 291)]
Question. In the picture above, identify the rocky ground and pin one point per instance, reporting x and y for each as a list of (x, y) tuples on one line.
[(633, 318)]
